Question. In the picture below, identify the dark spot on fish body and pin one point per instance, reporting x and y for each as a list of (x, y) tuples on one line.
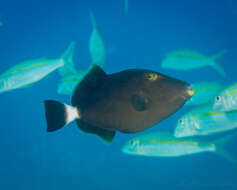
[(140, 102)]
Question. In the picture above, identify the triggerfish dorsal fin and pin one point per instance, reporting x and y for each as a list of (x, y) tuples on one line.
[(219, 145), (88, 86), (105, 135)]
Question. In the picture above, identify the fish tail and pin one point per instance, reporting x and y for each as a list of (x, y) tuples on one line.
[(220, 150), (58, 114), (67, 58), (219, 55), (67, 87), (125, 7), (216, 66), (92, 17), (219, 69)]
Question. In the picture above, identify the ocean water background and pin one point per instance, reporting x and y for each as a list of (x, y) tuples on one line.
[(31, 159)]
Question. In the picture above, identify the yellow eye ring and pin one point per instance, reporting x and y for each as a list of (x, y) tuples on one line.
[(151, 76)]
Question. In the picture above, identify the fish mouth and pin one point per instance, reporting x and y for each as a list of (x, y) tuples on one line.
[(189, 92)]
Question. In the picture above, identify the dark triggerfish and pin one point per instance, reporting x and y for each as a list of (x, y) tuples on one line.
[(129, 101)]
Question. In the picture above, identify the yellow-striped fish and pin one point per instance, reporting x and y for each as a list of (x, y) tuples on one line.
[(185, 59), (162, 144), (31, 71), (203, 120), (204, 92), (227, 99)]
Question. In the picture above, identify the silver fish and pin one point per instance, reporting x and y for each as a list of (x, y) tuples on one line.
[(161, 144), (204, 92), (185, 59), (227, 99), (204, 121), (31, 71)]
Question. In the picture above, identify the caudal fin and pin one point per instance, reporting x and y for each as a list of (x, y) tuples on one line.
[(58, 114), (216, 66), (67, 58), (220, 143), (219, 69)]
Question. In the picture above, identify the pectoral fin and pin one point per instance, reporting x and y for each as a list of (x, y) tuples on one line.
[(140, 102)]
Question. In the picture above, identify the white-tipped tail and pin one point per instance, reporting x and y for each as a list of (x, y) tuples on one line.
[(59, 115), (72, 113)]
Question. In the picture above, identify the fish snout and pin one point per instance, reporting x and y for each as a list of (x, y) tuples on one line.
[(189, 92)]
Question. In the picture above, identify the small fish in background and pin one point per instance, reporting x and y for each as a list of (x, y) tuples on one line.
[(126, 7), (128, 101), (31, 71), (68, 83), (204, 121), (163, 144), (96, 44), (227, 99), (185, 59), (1, 23), (204, 93)]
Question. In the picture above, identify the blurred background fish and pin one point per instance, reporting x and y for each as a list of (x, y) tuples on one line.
[(125, 7), (96, 44), (68, 83), (162, 144), (185, 59), (31, 71)]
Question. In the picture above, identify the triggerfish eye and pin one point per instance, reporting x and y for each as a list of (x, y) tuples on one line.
[(151, 76)]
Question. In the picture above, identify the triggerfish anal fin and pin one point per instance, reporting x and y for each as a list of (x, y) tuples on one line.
[(220, 143), (89, 85), (105, 135), (215, 65)]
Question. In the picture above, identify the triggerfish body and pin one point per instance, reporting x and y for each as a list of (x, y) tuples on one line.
[(204, 92), (162, 144), (227, 99), (185, 59), (28, 72), (129, 101), (96, 44), (204, 121)]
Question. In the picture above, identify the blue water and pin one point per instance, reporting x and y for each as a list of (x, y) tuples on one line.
[(31, 159)]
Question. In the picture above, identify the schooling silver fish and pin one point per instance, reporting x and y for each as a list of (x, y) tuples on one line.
[(161, 144), (204, 121), (204, 92), (185, 59), (28, 72), (227, 99)]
